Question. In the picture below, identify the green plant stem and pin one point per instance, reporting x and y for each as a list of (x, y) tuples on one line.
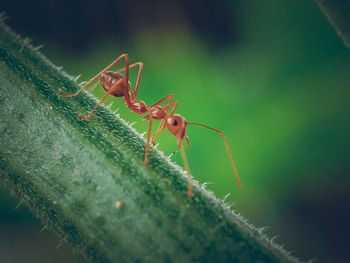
[(338, 14), (71, 173)]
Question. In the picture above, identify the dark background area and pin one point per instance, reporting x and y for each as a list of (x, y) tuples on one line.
[(75, 25), (273, 75)]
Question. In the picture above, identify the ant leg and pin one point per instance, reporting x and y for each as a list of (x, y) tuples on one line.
[(170, 105), (160, 129), (99, 103), (93, 110), (147, 143), (169, 97), (124, 56), (187, 168), (140, 64)]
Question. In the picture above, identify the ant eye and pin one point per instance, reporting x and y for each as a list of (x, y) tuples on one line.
[(174, 122)]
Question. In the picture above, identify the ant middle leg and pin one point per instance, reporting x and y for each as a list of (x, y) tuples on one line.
[(160, 129), (167, 107), (170, 103), (124, 56), (93, 110), (169, 97)]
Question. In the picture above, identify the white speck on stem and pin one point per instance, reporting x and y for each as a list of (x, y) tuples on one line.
[(118, 205)]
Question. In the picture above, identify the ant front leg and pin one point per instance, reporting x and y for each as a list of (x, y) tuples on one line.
[(187, 168), (124, 56), (147, 143)]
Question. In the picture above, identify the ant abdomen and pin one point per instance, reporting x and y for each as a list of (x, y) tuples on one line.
[(111, 79)]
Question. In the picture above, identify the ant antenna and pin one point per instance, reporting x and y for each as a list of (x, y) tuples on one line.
[(228, 150)]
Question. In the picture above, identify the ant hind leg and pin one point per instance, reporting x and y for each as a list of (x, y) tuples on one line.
[(124, 56), (93, 110), (140, 64)]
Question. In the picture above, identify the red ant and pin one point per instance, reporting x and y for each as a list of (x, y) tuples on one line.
[(118, 85)]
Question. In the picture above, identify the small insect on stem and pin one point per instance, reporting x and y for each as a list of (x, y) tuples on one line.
[(118, 85)]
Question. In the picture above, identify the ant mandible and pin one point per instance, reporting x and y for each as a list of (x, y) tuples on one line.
[(118, 85)]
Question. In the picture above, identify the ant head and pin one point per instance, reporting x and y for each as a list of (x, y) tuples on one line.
[(177, 124)]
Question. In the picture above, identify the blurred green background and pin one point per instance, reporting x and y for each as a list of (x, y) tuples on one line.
[(273, 75)]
